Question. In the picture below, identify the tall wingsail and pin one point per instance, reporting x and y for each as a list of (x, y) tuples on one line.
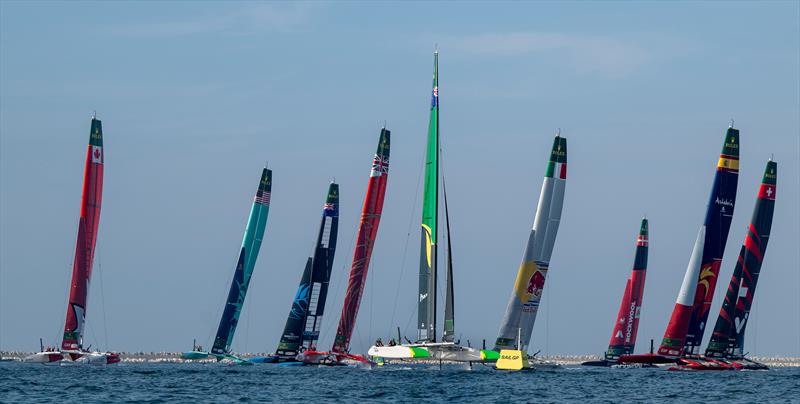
[(91, 200), (517, 324), (367, 233), (685, 329), (251, 243), (623, 338), (426, 313), (727, 340), (305, 316)]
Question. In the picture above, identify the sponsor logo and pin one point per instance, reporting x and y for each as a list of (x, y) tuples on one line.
[(739, 323), (629, 326), (423, 296), (724, 202)]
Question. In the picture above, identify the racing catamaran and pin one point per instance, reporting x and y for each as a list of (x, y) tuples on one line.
[(251, 243), (301, 331), (427, 345), (623, 337), (91, 199), (727, 339)]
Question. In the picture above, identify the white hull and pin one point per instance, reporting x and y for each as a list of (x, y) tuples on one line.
[(44, 357)]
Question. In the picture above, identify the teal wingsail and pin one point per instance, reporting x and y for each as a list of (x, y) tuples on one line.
[(251, 243)]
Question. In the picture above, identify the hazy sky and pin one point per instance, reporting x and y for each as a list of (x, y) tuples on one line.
[(196, 96)]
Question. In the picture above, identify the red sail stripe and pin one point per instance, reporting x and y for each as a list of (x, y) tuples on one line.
[(752, 246)]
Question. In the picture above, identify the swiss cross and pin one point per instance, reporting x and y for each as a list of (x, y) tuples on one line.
[(769, 191)]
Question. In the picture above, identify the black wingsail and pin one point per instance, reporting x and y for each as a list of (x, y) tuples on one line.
[(305, 317), (449, 303)]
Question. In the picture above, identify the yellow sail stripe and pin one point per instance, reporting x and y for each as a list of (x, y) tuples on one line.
[(728, 163), (428, 244)]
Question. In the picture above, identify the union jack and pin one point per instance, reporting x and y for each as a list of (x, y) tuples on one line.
[(328, 206), (380, 164)]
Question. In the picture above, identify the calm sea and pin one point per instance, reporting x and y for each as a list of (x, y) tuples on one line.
[(159, 383)]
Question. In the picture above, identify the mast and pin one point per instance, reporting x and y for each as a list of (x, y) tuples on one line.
[(727, 340), (426, 313), (251, 243), (685, 329), (305, 316), (520, 315), (623, 337), (449, 303), (367, 233), (91, 200)]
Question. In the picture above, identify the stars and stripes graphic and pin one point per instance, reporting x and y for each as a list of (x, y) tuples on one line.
[(380, 166), (262, 198)]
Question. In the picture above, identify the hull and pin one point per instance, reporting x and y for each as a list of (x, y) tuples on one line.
[(44, 357), (523, 305), (195, 355)]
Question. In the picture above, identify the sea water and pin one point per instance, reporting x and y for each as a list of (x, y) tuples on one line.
[(212, 382)]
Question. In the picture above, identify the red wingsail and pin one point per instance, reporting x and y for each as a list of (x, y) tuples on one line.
[(623, 338), (367, 232), (87, 238)]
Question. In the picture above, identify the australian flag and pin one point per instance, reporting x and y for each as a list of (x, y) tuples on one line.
[(435, 97)]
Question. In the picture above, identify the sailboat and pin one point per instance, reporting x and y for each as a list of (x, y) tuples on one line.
[(301, 332), (517, 324), (251, 243), (623, 337), (91, 199), (427, 345), (367, 234), (685, 329), (727, 339)]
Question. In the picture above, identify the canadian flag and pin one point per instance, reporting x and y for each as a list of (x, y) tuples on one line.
[(97, 154)]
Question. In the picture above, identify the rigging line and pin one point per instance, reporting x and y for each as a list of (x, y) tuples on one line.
[(405, 246), (102, 301)]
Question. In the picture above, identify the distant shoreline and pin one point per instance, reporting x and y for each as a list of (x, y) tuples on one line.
[(175, 357)]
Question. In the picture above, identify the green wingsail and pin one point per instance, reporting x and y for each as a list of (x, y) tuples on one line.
[(426, 314)]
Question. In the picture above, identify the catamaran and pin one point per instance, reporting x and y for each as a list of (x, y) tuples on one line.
[(427, 345), (253, 235), (727, 339), (623, 337), (72, 343), (685, 329), (523, 305), (301, 332)]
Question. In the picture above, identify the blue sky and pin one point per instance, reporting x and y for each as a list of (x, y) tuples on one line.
[(196, 96)]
